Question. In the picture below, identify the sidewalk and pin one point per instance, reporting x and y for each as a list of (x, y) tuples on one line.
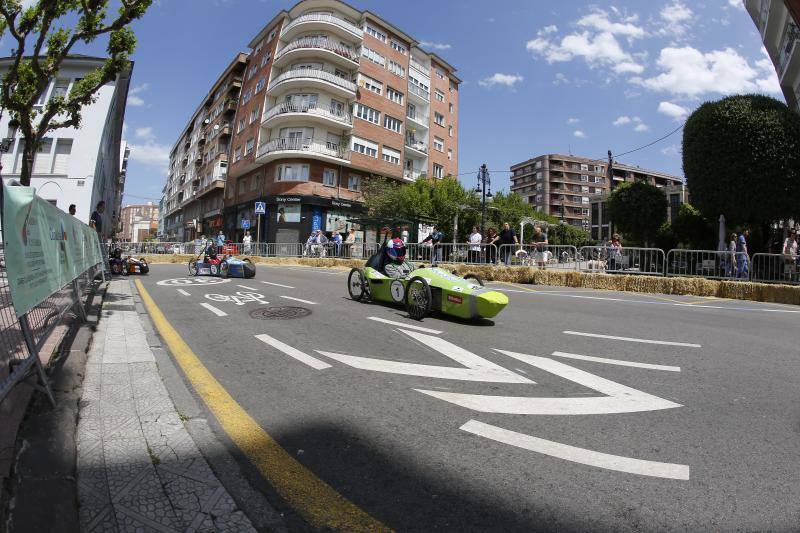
[(138, 467)]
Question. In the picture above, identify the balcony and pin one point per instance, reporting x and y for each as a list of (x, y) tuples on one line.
[(287, 111), (416, 65), (419, 93), (789, 54), (419, 119), (283, 147), (297, 78), (341, 55), (416, 148), (324, 22), (230, 105), (225, 130), (413, 175)]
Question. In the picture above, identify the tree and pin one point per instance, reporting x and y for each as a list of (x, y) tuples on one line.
[(741, 158), (692, 230), (512, 208), (567, 234), (638, 210), (37, 62)]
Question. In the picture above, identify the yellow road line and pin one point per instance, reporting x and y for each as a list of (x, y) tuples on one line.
[(316, 501)]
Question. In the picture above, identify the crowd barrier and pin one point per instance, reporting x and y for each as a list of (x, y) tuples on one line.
[(775, 268), (549, 256), (623, 260)]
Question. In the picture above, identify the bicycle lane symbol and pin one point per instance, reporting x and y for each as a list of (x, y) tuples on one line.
[(240, 298)]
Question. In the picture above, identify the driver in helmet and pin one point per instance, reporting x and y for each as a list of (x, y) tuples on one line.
[(396, 265)]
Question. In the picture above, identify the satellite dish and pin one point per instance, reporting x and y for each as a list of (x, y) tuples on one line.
[(206, 121)]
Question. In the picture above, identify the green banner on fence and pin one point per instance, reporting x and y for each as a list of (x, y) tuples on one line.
[(45, 248)]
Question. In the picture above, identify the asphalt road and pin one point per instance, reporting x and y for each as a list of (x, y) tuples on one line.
[(700, 434)]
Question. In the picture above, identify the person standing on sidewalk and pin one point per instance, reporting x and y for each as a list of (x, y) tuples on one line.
[(96, 220), (475, 239), (539, 243), (435, 238), (507, 237), (337, 244), (491, 246), (742, 256), (247, 242), (349, 242)]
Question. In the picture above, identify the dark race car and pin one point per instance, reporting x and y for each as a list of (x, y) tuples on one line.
[(210, 264)]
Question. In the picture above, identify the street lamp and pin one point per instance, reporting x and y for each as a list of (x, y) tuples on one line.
[(485, 189)]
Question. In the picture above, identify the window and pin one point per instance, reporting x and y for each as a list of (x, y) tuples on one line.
[(370, 84), (598, 179), (438, 118), (440, 73), (292, 173), (363, 146), (598, 190), (329, 177), (438, 171), (60, 88), (333, 141), (375, 33), (450, 131), (254, 114), (391, 123), (254, 183), (598, 168), (253, 70), (538, 164), (390, 155), (247, 96), (237, 154), (397, 68), (240, 127), (394, 96), (450, 107), (415, 81), (449, 154), (61, 157), (265, 59), (258, 48), (242, 185), (367, 113), (42, 160), (584, 177), (260, 85), (398, 47), (438, 144), (373, 56), (453, 86), (584, 166), (439, 95), (354, 183), (585, 189), (272, 34)]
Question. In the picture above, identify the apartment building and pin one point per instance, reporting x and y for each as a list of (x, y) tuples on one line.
[(80, 166), (139, 222), (565, 186), (778, 21), (332, 97), (192, 200)]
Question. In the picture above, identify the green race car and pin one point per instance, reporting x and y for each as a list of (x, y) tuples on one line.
[(424, 290)]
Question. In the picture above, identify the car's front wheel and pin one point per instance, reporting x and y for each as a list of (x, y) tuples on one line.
[(144, 268), (357, 284), (418, 298), (193, 267), (224, 269)]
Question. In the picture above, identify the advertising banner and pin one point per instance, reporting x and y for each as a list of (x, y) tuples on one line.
[(45, 248)]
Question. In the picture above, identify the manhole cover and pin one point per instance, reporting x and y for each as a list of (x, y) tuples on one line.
[(279, 313)]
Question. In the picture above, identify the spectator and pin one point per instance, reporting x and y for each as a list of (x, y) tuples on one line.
[(404, 235), (790, 254), (337, 244), (615, 253), (435, 238), (247, 242), (220, 240), (730, 267), (507, 237), (475, 239), (491, 250), (539, 243), (742, 256), (96, 220), (349, 242), (72, 209)]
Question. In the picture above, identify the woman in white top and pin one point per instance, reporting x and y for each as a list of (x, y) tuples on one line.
[(475, 239), (730, 271), (246, 241)]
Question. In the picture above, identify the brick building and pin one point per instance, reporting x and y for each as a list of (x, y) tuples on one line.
[(139, 222), (332, 97)]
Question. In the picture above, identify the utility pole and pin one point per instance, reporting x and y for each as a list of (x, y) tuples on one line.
[(484, 183)]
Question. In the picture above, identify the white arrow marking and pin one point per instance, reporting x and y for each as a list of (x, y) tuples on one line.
[(579, 455), (407, 326), (630, 339), (616, 362), (313, 362), (478, 368), (619, 399)]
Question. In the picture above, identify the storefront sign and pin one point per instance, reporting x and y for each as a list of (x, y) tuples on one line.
[(287, 199), (45, 248), (339, 203), (316, 219)]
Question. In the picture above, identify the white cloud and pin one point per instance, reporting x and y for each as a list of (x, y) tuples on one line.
[(579, 134), (676, 19), (622, 120), (736, 4), (144, 133), (134, 99), (560, 79), (672, 150), (151, 154), (641, 127), (599, 21), (673, 110), (436, 46), (509, 80), (689, 72), (573, 120), (548, 29)]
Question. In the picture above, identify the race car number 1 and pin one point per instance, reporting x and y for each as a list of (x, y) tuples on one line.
[(398, 290)]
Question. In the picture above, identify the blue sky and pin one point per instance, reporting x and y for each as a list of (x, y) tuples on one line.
[(539, 76)]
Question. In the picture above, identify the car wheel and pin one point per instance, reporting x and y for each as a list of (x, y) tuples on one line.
[(224, 269), (248, 268), (418, 298), (193, 267), (115, 268), (357, 284), (144, 268), (126, 268), (477, 278)]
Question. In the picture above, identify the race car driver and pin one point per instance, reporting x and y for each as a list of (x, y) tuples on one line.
[(396, 265)]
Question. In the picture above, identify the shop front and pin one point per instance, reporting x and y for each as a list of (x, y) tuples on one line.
[(292, 218)]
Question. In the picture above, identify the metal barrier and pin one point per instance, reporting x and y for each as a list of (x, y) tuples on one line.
[(625, 260), (21, 339), (775, 268), (544, 256), (709, 264), (466, 253)]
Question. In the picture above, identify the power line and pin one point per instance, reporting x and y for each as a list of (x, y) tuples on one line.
[(673, 132)]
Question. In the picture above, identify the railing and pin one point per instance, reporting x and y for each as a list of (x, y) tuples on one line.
[(789, 42), (708, 264), (323, 17), (304, 145), (420, 67), (419, 117), (470, 254), (311, 109), (543, 256), (775, 268), (417, 145), (422, 93), (320, 74), (319, 42), (624, 260)]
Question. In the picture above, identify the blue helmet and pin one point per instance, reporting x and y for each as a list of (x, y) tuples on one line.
[(396, 249)]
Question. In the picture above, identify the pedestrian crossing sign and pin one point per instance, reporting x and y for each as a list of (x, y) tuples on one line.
[(261, 208)]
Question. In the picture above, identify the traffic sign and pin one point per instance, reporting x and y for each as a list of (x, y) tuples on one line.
[(245, 224), (261, 208)]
